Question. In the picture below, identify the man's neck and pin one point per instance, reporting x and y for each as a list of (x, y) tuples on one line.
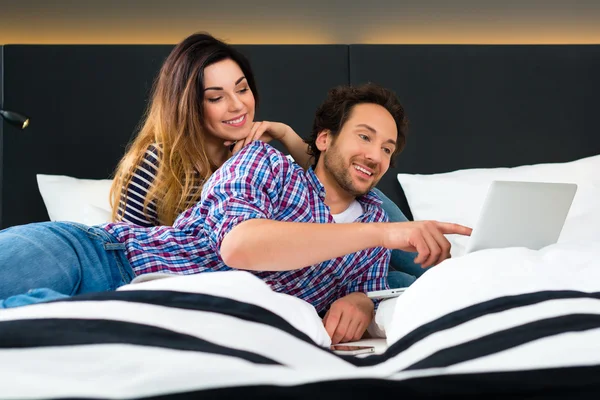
[(336, 198)]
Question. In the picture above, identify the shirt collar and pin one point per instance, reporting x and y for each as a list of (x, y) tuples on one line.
[(368, 200), (315, 183)]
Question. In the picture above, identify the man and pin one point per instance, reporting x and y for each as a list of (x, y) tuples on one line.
[(356, 133), (263, 213)]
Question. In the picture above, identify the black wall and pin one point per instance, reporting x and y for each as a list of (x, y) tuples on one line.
[(1, 125)]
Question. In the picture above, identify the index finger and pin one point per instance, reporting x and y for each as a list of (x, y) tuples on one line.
[(448, 228)]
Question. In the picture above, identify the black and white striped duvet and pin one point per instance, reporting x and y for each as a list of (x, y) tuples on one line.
[(227, 335)]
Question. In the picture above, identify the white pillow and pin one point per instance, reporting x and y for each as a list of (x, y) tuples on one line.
[(458, 196), (77, 200)]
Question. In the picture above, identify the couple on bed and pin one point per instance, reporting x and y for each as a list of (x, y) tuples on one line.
[(196, 192)]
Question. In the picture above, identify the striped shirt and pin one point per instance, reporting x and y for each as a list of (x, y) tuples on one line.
[(131, 208), (258, 182)]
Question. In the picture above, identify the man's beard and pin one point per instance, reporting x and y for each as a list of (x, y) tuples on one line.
[(334, 164)]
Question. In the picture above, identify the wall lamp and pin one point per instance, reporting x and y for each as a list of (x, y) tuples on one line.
[(14, 118)]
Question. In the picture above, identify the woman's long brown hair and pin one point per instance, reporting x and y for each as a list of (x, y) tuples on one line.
[(173, 124)]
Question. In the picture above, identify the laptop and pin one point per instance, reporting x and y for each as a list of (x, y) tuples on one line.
[(515, 214), (521, 214)]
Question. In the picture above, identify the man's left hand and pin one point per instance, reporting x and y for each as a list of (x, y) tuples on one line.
[(348, 317)]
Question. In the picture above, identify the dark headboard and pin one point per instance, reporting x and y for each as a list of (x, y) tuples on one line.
[(469, 105), (1, 126)]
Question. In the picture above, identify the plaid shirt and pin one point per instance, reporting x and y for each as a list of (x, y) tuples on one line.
[(258, 182)]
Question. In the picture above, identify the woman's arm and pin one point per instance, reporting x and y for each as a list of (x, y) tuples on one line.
[(267, 131), (297, 148), (131, 203)]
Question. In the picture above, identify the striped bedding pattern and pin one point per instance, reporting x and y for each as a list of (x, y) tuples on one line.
[(229, 336)]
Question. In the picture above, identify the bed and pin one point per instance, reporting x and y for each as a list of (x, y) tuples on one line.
[(498, 323)]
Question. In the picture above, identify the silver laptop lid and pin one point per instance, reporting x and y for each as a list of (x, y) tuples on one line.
[(522, 214)]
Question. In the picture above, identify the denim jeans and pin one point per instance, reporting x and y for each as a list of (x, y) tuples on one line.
[(63, 258), (403, 269)]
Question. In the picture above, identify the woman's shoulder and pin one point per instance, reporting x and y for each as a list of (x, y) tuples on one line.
[(150, 161), (153, 153)]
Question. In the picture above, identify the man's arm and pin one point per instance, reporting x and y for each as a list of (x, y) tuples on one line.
[(348, 318), (351, 315), (266, 245)]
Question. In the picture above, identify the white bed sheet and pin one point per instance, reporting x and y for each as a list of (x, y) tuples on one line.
[(91, 359)]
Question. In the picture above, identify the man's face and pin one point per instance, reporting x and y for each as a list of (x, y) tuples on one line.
[(361, 153)]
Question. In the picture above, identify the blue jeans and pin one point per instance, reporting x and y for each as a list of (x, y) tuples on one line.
[(64, 258), (403, 269)]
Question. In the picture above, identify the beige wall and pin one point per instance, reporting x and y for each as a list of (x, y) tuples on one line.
[(308, 21)]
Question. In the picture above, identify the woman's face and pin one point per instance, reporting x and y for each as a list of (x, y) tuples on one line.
[(228, 101)]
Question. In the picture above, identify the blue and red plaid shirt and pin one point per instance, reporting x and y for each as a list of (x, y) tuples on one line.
[(258, 182)]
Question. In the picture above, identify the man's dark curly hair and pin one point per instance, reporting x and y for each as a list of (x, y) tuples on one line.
[(337, 108)]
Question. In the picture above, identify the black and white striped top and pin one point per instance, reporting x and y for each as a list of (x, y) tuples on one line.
[(131, 207)]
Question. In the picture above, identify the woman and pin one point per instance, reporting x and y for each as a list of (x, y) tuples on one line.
[(203, 101)]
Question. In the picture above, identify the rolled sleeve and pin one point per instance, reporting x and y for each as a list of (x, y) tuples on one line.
[(236, 211), (247, 187)]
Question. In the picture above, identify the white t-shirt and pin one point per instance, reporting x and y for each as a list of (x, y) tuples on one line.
[(350, 214)]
